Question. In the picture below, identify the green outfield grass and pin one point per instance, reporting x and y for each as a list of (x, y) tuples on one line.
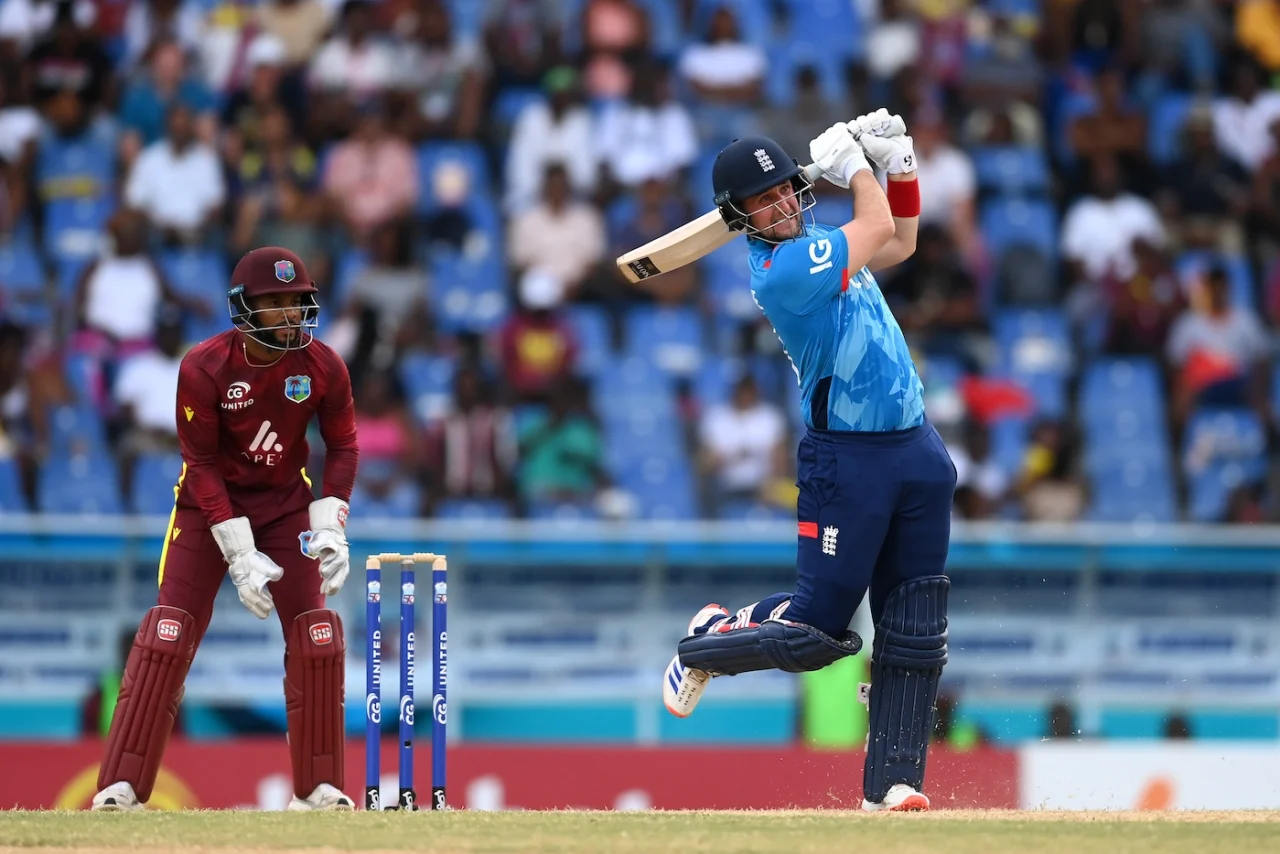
[(624, 833)]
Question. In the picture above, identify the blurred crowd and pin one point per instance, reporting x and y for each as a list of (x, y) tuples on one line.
[(1091, 304)]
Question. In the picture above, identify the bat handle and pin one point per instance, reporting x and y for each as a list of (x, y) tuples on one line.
[(813, 172)]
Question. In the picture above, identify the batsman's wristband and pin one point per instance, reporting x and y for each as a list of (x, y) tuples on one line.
[(904, 198)]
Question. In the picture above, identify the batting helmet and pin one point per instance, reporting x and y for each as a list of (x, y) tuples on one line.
[(272, 270), (749, 166)]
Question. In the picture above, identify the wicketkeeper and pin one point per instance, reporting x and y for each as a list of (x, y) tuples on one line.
[(244, 507)]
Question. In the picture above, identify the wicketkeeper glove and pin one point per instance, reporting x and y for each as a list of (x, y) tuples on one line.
[(250, 569), (329, 542)]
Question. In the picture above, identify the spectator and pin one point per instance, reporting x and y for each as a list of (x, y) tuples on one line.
[(273, 154), (558, 131), (355, 61), (978, 472), (724, 69), (391, 293), (446, 73), (538, 347), (371, 178), (144, 392), (522, 38), (1242, 120), (1114, 129), (561, 450), (119, 295), (1264, 204), (23, 22), (937, 304), (561, 235), (1205, 194), (68, 59), (146, 103), (472, 450), (1099, 229), (791, 123), (268, 89), (1219, 351), (658, 210), (893, 45), (300, 26), (189, 217), (148, 23), (1062, 721), (282, 212), (1258, 31), (19, 122), (742, 445), (1178, 43), (1142, 309), (615, 42), (1004, 69), (1246, 505), (649, 136), (387, 433), (948, 173), (1049, 487)]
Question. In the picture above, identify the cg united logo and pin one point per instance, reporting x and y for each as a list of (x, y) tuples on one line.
[(373, 709), (440, 709), (406, 710)]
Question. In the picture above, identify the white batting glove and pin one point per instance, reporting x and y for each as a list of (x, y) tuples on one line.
[(250, 569), (329, 542), (879, 123), (894, 154), (884, 138), (839, 155)]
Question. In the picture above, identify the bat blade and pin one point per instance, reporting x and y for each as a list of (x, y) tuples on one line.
[(686, 244)]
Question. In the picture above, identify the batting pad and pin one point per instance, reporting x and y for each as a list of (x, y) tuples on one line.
[(314, 685), (147, 705), (907, 658), (774, 644)]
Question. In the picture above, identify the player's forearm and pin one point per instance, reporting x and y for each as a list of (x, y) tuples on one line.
[(340, 466), (903, 198), (209, 491), (870, 205)]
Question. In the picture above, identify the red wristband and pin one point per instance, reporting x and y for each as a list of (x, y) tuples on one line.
[(904, 198)]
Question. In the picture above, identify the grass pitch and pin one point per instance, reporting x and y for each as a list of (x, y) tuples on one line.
[(995, 832)]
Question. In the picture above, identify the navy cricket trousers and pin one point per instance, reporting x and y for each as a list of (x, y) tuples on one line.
[(874, 511)]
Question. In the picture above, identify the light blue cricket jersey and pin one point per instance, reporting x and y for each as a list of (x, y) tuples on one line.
[(838, 332)]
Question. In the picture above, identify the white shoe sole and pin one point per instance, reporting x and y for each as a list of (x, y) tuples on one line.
[(682, 688), (913, 802)]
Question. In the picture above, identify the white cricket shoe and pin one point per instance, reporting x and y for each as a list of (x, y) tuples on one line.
[(682, 686), (118, 797), (325, 797), (900, 798)]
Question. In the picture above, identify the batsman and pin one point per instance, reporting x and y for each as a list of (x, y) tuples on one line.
[(875, 481), (244, 507)]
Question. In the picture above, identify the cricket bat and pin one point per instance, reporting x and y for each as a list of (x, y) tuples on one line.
[(704, 235), (686, 244)]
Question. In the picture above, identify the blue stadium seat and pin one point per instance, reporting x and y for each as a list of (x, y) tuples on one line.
[(1009, 444), (663, 486), (74, 228), (726, 279), (713, 384), (635, 383), (428, 384), (72, 425), (1165, 123), (1133, 490), (1011, 170), (1007, 222), (1109, 384), (670, 337), (562, 512), (348, 267), (1222, 449), (469, 155), (833, 26), (402, 502), (23, 293), (511, 102), (591, 326), (1035, 352), (753, 511), (11, 498), (467, 508), (468, 296), (79, 484), (154, 478), (198, 273)]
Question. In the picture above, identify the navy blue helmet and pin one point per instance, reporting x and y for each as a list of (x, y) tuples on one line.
[(751, 165)]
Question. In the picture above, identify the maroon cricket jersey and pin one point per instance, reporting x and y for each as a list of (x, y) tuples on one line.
[(243, 429)]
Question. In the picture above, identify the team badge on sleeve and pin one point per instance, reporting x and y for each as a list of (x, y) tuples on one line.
[(285, 271), (297, 388)]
